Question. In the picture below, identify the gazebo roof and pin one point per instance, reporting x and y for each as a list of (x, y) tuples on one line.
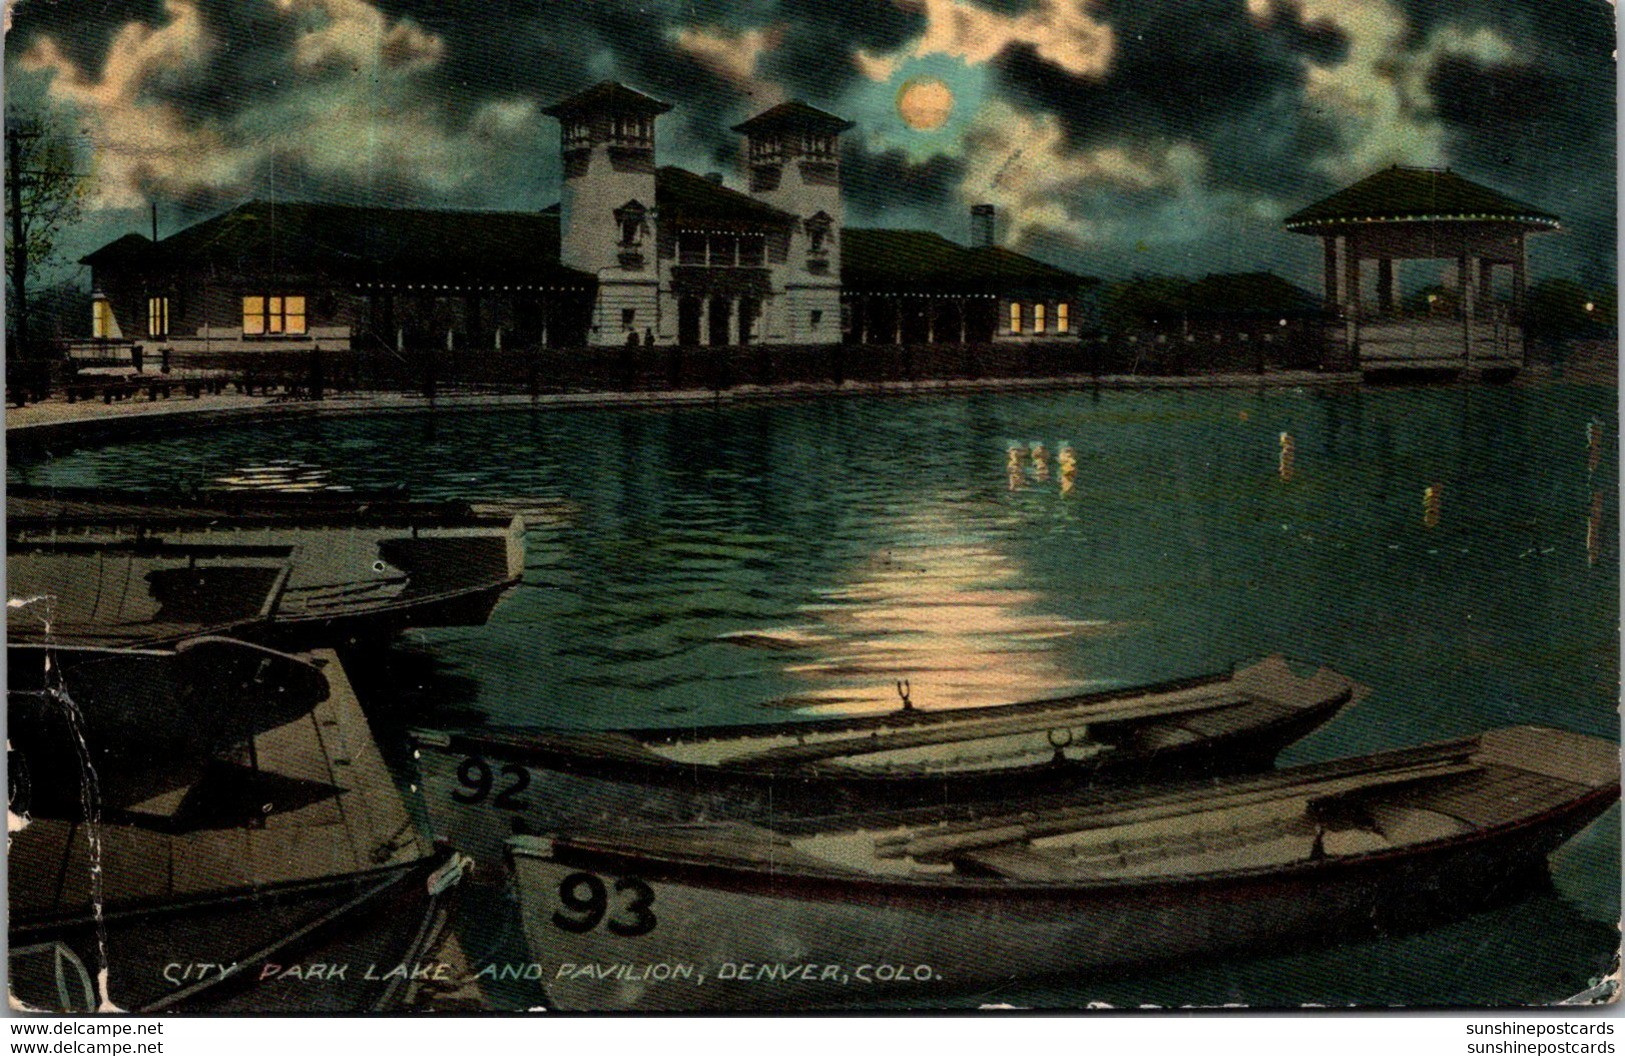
[(1408, 194), (794, 115)]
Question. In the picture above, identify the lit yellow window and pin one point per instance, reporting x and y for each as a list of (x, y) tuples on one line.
[(253, 315), (1038, 318), (1063, 322), (101, 318), (1015, 318), (274, 315), (157, 316)]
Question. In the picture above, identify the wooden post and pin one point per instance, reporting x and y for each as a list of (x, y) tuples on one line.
[(1385, 285), (1335, 261), (1467, 289), (1351, 277)]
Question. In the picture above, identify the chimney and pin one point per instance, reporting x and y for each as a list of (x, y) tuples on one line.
[(981, 226), (714, 177)]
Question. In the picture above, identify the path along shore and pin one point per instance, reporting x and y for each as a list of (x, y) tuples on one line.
[(56, 422)]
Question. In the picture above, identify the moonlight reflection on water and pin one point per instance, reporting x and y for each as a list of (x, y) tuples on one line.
[(1454, 549)]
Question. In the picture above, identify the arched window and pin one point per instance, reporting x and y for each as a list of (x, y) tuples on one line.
[(819, 227), (1015, 317), (1038, 318), (632, 220)]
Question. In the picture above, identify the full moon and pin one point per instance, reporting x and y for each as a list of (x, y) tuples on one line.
[(924, 103)]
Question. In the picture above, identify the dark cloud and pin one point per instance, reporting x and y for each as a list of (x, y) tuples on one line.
[(886, 189), (1200, 72)]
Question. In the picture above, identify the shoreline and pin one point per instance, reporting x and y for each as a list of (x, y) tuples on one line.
[(56, 423)]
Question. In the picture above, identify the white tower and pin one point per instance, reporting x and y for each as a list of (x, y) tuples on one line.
[(606, 208), (793, 162)]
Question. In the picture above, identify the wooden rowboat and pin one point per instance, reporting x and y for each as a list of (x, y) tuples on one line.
[(145, 720), (352, 572), (251, 890), (484, 785), (825, 912), (267, 948)]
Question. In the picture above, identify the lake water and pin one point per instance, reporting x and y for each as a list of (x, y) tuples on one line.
[(1452, 548)]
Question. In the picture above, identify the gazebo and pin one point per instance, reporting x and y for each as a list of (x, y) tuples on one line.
[(1469, 318)]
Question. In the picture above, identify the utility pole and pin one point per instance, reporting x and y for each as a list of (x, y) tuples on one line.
[(19, 248)]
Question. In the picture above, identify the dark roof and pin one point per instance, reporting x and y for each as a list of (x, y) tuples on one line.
[(608, 95), (125, 247), (885, 260), (796, 115), (433, 245), (1416, 194), (683, 197), (1249, 293)]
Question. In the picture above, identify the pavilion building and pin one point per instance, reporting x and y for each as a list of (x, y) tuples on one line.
[(634, 253), (1468, 319)]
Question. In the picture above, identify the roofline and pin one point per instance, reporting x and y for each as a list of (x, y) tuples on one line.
[(1534, 220), (808, 112), (572, 103)]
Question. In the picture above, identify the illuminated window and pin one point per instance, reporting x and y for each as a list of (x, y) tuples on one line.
[(273, 315), (1063, 322), (157, 316), (1015, 318), (101, 318), (1038, 318)]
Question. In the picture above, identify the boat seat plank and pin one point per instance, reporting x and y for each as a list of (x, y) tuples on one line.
[(960, 729), (1118, 800), (1498, 795), (931, 846)]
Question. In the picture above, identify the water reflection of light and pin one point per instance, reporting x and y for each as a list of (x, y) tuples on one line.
[(1432, 502), (1040, 461), (947, 617), (1067, 460), (279, 474), (1593, 445), (1014, 466), (1289, 455)]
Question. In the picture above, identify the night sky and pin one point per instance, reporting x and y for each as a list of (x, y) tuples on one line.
[(1115, 136)]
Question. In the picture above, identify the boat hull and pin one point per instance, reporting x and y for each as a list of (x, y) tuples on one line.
[(146, 720), (479, 795), (725, 938), (336, 945)]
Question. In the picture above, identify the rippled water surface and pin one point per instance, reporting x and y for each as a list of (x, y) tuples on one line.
[(1452, 548)]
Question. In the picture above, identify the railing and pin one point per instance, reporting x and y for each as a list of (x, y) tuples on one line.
[(434, 372)]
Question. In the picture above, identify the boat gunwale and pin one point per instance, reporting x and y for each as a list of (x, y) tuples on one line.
[(836, 885), (136, 909), (898, 718), (659, 770)]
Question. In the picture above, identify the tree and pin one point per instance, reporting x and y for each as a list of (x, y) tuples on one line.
[(45, 197), (1560, 310), (1140, 302)]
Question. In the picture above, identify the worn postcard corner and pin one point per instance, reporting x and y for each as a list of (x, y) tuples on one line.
[(883, 505)]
